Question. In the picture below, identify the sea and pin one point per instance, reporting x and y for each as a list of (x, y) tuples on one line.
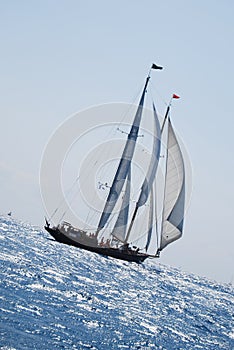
[(55, 296)]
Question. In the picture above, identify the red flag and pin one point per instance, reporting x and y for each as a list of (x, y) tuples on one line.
[(175, 96)]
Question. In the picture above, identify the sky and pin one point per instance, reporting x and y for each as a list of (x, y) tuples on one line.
[(59, 57)]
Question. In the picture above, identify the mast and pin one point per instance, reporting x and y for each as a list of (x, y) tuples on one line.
[(165, 118), (124, 164), (168, 110), (162, 128), (146, 187), (164, 192)]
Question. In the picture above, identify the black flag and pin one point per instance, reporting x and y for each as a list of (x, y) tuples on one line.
[(154, 66)]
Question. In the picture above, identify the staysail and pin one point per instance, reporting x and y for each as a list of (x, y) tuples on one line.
[(124, 164), (150, 220), (120, 228), (174, 200), (151, 173), (150, 177)]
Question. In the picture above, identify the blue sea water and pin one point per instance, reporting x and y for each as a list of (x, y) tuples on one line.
[(54, 296)]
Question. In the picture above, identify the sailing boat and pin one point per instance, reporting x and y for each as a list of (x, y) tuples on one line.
[(121, 242)]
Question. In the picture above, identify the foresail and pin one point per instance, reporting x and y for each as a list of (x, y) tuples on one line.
[(124, 164), (120, 228), (150, 177), (150, 220), (174, 200)]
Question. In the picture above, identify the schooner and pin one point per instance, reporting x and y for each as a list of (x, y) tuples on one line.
[(120, 244)]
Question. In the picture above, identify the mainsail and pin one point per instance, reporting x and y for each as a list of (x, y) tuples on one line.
[(174, 199), (124, 164)]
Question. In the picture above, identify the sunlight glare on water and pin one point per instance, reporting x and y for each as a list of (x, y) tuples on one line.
[(56, 296)]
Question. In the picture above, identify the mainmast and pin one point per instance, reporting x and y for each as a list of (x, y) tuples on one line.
[(146, 187), (124, 164)]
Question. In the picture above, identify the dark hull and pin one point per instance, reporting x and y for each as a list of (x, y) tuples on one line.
[(128, 255)]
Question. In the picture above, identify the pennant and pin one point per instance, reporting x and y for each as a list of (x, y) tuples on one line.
[(154, 66), (175, 96)]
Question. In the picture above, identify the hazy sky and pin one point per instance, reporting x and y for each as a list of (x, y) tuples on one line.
[(58, 57)]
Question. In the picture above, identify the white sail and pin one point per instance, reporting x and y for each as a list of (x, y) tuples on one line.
[(150, 177), (173, 210), (124, 164), (140, 235), (151, 173), (119, 230), (150, 220)]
